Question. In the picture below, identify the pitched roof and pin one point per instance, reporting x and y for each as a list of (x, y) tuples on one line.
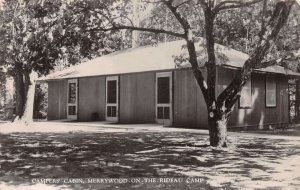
[(149, 58)]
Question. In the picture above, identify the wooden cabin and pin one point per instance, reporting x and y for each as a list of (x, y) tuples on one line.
[(145, 85)]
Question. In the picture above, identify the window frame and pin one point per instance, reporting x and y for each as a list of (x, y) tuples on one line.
[(239, 102), (117, 103), (274, 80), (164, 121), (69, 81)]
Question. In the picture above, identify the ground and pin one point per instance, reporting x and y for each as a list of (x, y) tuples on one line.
[(65, 151)]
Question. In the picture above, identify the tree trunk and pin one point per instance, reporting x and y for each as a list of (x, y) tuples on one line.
[(22, 82), (217, 123), (27, 83), (20, 94)]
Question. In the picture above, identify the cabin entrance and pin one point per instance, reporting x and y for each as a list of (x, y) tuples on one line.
[(72, 95), (112, 98), (164, 98)]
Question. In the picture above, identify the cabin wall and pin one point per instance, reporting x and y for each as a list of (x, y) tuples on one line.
[(91, 96), (137, 98), (189, 105), (258, 114), (57, 100)]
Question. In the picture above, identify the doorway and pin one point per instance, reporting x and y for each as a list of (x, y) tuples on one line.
[(112, 98), (164, 98), (72, 95)]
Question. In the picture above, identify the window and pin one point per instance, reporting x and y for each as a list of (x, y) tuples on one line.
[(163, 90), (72, 93), (245, 99), (270, 91), (111, 91)]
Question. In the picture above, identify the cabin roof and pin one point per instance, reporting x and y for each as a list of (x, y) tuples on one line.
[(152, 58)]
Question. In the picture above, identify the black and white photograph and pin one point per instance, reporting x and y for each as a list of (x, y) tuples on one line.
[(149, 94)]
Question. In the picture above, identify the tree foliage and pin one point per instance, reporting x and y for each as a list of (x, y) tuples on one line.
[(41, 36), (235, 28)]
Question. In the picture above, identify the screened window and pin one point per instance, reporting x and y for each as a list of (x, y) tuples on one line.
[(163, 90), (270, 91), (72, 92), (245, 99), (112, 91)]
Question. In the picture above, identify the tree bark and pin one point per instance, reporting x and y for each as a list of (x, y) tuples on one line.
[(217, 122), (27, 83), (22, 83), (20, 94)]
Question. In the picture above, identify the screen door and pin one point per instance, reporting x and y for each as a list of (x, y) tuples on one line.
[(164, 98), (112, 96), (72, 99)]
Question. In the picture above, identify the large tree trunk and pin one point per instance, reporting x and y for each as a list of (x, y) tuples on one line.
[(20, 94), (217, 123), (27, 83), (22, 82)]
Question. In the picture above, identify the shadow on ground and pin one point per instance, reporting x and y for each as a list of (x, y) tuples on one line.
[(251, 163)]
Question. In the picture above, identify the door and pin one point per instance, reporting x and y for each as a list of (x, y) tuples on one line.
[(72, 99), (164, 98), (112, 98)]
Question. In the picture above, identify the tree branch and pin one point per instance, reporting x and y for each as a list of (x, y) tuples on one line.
[(203, 4), (274, 62), (122, 27), (230, 104), (277, 21), (233, 4), (196, 70), (180, 4), (184, 23), (145, 1), (211, 61), (188, 36)]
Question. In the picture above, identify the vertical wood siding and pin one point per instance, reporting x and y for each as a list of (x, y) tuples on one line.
[(57, 100), (137, 98), (258, 114), (91, 95), (189, 105)]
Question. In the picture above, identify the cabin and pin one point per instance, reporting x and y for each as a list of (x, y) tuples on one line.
[(146, 85)]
